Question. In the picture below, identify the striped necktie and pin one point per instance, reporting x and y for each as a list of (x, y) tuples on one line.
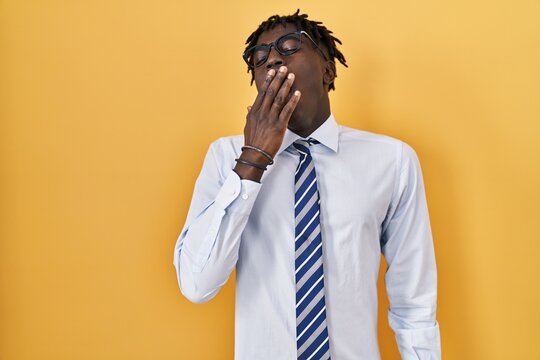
[(312, 340)]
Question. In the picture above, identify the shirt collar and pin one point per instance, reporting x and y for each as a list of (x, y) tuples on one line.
[(327, 134)]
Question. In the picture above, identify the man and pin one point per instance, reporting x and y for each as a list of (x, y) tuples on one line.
[(302, 208)]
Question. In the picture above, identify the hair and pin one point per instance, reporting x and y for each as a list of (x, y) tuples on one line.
[(322, 36)]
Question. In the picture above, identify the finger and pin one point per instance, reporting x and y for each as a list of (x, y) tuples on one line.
[(286, 112), (262, 91), (273, 88), (282, 96)]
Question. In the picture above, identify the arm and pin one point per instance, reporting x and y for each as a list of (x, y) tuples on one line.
[(207, 249), (411, 276)]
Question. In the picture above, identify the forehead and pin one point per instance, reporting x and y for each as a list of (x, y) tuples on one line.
[(272, 34)]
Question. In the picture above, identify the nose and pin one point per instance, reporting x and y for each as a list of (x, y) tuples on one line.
[(275, 59)]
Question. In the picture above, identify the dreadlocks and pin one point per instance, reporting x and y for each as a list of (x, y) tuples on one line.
[(315, 29)]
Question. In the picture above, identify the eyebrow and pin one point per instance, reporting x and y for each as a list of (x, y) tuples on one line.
[(292, 32)]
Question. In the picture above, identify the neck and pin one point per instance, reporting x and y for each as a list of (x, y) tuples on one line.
[(315, 123), (306, 125)]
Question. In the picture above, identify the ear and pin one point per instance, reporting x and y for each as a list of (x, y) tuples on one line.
[(329, 73)]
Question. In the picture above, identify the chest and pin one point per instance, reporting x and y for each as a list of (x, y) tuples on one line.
[(355, 192)]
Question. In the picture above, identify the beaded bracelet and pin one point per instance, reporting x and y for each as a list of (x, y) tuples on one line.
[(249, 163), (261, 151)]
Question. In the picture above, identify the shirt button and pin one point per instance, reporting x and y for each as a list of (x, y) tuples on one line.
[(245, 196)]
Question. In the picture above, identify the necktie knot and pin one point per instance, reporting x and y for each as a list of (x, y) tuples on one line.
[(302, 145)]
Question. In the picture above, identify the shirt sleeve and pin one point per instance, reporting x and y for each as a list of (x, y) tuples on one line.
[(206, 250), (411, 276)]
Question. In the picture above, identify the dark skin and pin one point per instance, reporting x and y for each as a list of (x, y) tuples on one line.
[(292, 92)]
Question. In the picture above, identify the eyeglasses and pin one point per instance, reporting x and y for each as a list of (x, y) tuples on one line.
[(286, 45)]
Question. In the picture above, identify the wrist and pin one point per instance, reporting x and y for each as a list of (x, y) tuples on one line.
[(255, 157), (260, 151), (248, 172)]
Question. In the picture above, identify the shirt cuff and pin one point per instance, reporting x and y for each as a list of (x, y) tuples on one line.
[(419, 343), (237, 195)]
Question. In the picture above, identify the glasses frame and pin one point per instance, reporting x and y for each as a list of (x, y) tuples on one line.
[(273, 44)]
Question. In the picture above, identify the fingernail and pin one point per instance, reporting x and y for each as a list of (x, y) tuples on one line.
[(271, 72), (297, 93), (290, 76), (283, 69)]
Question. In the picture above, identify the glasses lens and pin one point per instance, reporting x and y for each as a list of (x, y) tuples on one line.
[(289, 44), (259, 55)]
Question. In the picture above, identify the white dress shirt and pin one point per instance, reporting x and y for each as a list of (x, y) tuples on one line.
[(372, 202)]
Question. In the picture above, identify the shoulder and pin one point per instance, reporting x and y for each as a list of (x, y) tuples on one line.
[(380, 145), (349, 135)]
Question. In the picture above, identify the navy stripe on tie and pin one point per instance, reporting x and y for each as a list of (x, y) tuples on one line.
[(305, 235), (311, 288), (302, 166), (305, 198), (313, 320), (313, 279), (308, 218), (308, 182), (301, 241), (308, 253), (318, 347)]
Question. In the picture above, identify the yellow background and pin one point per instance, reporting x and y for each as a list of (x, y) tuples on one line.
[(108, 107)]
